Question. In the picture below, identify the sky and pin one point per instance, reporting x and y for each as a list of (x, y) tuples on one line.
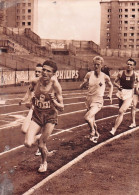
[(69, 19)]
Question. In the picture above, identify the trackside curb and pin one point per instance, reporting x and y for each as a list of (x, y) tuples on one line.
[(80, 157)]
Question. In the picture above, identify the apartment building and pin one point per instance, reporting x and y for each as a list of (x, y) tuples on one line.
[(19, 13), (119, 24)]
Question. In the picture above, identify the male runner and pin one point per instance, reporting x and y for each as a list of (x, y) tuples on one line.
[(47, 101), (134, 103), (28, 99), (96, 87), (125, 83)]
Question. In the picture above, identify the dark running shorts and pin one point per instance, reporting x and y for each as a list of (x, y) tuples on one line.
[(42, 117)]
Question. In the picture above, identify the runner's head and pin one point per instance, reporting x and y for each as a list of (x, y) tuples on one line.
[(48, 70), (38, 70), (98, 63), (131, 63)]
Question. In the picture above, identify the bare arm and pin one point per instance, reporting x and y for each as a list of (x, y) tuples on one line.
[(137, 85), (117, 80), (28, 94), (58, 101), (86, 80), (108, 81)]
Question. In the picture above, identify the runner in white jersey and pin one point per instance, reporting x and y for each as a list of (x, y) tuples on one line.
[(96, 81)]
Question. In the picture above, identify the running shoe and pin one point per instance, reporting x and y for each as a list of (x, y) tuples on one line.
[(94, 139), (43, 168), (113, 131), (38, 153), (132, 125)]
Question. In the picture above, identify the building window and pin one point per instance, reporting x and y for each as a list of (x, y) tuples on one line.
[(18, 4), (120, 28), (133, 10), (125, 46), (137, 34), (131, 34), (23, 17), (137, 46), (132, 16), (126, 22), (29, 17), (109, 10), (18, 11), (131, 46), (132, 28), (126, 16), (23, 4), (131, 40), (125, 34), (23, 23), (108, 22), (120, 22), (126, 4), (126, 10), (23, 11), (125, 40), (29, 10), (120, 10), (109, 16), (29, 4), (120, 16), (119, 46), (138, 22), (132, 22), (18, 17), (132, 4), (125, 28), (108, 34), (17, 23), (29, 23)]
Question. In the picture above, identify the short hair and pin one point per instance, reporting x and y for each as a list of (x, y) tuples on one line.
[(98, 58), (51, 64), (39, 65), (132, 60)]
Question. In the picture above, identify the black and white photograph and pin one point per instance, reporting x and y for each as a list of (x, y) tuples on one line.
[(69, 92)]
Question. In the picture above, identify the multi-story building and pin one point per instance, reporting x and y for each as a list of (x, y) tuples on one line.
[(19, 13), (119, 24)]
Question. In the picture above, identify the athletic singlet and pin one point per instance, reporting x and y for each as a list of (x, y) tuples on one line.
[(96, 85), (127, 82), (41, 99)]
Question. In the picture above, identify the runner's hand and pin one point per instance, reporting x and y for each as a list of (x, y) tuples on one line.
[(52, 96), (110, 98)]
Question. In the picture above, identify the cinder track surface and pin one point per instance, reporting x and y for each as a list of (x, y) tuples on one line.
[(18, 165)]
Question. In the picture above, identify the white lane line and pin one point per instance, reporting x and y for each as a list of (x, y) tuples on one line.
[(19, 122), (62, 131), (77, 159), (9, 105)]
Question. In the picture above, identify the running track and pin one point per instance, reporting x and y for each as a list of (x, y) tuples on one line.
[(12, 116)]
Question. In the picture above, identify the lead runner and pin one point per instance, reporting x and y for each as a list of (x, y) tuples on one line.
[(47, 101)]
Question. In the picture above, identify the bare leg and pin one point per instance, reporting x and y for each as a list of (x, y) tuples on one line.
[(126, 104), (30, 137), (43, 145), (90, 118), (133, 111)]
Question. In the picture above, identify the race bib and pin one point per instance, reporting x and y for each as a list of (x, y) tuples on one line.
[(42, 104), (127, 78)]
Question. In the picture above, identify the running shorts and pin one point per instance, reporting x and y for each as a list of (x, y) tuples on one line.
[(93, 101), (42, 117)]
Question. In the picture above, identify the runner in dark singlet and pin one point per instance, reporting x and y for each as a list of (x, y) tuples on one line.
[(125, 83)]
